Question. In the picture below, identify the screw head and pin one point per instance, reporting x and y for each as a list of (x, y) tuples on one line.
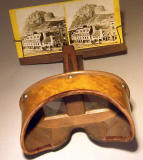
[(25, 96), (123, 85), (70, 76)]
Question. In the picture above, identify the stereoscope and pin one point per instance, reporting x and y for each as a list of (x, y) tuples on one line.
[(95, 101)]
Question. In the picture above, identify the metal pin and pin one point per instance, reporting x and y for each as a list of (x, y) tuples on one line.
[(70, 76), (123, 86), (25, 96)]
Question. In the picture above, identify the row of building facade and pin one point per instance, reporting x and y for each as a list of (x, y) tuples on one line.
[(82, 35), (103, 30), (54, 36)]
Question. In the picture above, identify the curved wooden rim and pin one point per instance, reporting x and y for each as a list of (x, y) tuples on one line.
[(83, 72)]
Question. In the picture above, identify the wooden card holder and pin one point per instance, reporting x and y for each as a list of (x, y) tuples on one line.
[(95, 52)]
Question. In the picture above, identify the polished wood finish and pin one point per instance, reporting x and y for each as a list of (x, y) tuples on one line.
[(74, 103), (109, 125), (70, 60)]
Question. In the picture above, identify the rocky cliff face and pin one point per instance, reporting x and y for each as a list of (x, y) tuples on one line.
[(38, 21), (90, 14)]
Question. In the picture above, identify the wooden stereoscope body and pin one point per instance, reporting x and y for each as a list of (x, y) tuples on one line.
[(95, 101)]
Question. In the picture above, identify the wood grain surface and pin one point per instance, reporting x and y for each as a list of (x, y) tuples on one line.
[(106, 126)]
